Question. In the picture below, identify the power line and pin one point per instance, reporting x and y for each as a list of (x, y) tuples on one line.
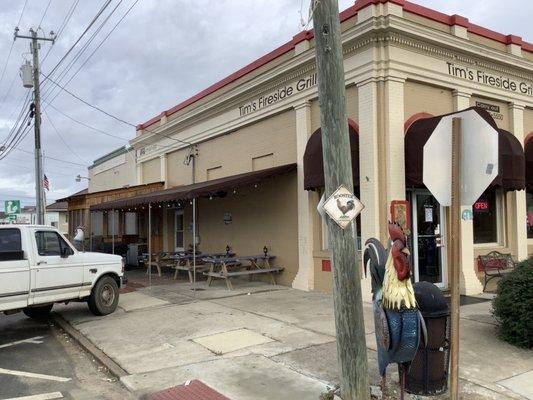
[(62, 139), (9, 56), (22, 12), (95, 18), (52, 158), (85, 102), (62, 27), (104, 112), (80, 52), (44, 13), (48, 171), (17, 195), (86, 125)]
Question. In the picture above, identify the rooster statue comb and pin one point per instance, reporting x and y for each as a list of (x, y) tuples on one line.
[(397, 321)]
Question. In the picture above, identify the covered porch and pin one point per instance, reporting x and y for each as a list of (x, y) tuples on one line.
[(246, 220)]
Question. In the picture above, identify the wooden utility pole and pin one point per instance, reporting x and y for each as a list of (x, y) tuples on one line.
[(455, 215), (39, 191), (348, 302)]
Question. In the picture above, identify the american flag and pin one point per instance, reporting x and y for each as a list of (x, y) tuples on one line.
[(46, 183)]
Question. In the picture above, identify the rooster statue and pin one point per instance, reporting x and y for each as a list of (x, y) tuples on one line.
[(398, 323)]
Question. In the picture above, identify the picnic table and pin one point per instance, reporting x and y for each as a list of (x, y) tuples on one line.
[(229, 267), (184, 261), (161, 259)]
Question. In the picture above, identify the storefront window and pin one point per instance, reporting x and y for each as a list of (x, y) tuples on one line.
[(97, 223), (112, 223), (485, 218), (130, 223), (529, 199)]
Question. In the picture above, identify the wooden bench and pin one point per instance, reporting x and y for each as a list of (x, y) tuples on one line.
[(496, 264)]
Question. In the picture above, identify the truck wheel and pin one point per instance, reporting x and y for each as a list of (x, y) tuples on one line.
[(104, 296), (41, 312)]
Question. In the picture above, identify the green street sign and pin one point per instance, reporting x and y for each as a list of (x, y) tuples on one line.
[(12, 217), (12, 206)]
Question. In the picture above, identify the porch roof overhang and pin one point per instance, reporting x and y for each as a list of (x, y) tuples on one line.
[(213, 187), (512, 164)]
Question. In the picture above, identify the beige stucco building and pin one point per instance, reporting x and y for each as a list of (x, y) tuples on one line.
[(402, 62)]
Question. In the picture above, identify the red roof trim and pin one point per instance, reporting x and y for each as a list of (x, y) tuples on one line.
[(344, 15)]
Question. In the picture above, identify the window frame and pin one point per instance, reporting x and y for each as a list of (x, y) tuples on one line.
[(62, 243), (19, 238), (501, 201)]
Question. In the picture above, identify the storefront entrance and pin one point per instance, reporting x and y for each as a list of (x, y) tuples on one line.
[(428, 231)]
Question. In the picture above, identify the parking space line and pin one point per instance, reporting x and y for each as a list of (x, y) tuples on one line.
[(43, 396), (34, 340), (32, 375)]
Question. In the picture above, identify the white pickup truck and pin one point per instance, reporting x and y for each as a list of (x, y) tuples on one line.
[(39, 267)]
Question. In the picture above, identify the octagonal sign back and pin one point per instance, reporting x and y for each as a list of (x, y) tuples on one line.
[(479, 158)]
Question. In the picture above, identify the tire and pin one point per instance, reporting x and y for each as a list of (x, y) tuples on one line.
[(38, 313), (104, 296)]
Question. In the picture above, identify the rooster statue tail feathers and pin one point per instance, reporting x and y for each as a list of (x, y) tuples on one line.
[(374, 259)]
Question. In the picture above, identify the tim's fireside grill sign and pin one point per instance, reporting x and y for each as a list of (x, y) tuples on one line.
[(485, 78), (277, 95)]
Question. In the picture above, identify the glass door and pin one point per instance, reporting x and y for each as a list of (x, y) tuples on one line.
[(429, 255), (178, 231)]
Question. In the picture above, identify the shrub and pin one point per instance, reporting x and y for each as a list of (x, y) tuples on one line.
[(513, 305)]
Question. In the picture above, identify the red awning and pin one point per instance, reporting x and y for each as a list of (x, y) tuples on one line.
[(314, 162), (215, 187), (511, 174)]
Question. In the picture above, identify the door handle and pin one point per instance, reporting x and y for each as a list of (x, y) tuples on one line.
[(41, 262)]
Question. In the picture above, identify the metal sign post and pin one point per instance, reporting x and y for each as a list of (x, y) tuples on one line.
[(465, 147), (455, 211)]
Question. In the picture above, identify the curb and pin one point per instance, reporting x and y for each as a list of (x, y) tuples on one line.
[(88, 346)]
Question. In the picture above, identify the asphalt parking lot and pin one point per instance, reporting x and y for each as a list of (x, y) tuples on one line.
[(38, 359)]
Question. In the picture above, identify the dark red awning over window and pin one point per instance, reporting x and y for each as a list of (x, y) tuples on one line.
[(511, 174), (314, 162)]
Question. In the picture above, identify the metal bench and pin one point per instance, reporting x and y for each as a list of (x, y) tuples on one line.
[(495, 264)]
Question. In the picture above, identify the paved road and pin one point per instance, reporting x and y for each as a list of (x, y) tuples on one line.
[(64, 370)]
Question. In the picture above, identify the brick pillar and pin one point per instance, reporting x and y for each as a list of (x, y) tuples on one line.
[(139, 173), (516, 200), (369, 168), (470, 284), (394, 141), (163, 166), (304, 279)]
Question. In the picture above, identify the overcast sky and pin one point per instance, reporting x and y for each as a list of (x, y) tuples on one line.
[(163, 52)]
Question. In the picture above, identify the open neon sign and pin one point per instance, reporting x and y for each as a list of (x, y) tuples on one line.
[(482, 206)]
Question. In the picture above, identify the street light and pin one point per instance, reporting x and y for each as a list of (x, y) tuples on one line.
[(79, 178)]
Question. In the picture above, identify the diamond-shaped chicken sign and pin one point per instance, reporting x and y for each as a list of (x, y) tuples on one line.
[(342, 206), (479, 158)]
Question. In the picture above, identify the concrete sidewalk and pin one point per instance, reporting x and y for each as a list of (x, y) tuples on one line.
[(267, 342)]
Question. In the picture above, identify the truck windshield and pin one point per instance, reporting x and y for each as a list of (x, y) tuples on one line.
[(10, 240)]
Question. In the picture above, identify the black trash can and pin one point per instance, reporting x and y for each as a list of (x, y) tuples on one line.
[(429, 370)]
